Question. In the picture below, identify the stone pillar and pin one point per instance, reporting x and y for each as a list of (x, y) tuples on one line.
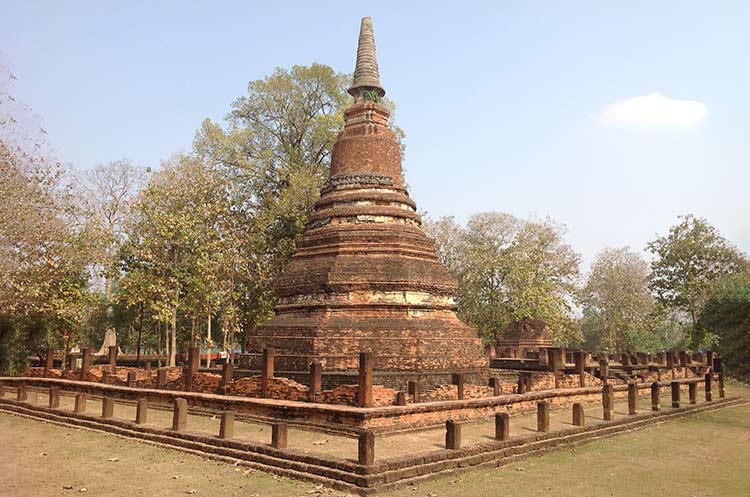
[(364, 391), (141, 411), (279, 435), (400, 398), (131, 378), (85, 362), (49, 361), (452, 435), (458, 380), (227, 375), (22, 394), (366, 448), (608, 402), (580, 359), (266, 372), (655, 396), (108, 407), (495, 386), (555, 358), (413, 387), (105, 376), (54, 397), (193, 363), (148, 368), (722, 392), (604, 368), (502, 426), (161, 378), (625, 359), (80, 405), (578, 417), (709, 380), (675, 394), (632, 398), (693, 392), (542, 416), (670, 360), (180, 414), (226, 428), (316, 380), (113, 359)]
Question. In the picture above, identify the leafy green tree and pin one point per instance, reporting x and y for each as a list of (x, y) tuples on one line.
[(726, 316), (687, 263), (619, 311), (509, 269)]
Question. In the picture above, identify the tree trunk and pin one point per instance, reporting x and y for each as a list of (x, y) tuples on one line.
[(158, 345), (173, 339), (208, 339)]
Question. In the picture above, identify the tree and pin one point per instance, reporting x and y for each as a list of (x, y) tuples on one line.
[(509, 269), (687, 263), (619, 311), (726, 316), (106, 195)]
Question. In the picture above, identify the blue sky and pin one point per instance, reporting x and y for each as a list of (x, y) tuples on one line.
[(530, 108)]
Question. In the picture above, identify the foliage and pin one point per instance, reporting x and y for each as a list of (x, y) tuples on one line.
[(619, 311), (726, 315), (509, 269), (688, 261)]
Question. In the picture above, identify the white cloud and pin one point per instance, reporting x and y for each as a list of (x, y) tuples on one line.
[(654, 110)]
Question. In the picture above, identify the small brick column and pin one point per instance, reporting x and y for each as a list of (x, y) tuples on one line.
[(22, 394), (226, 428), (364, 390), (141, 411), (161, 378), (675, 394), (131, 378), (279, 435), (580, 358), (608, 402), (502, 426), (366, 448), (85, 362), (266, 372), (542, 416), (495, 386), (452, 435), (227, 375), (108, 407), (458, 380), (655, 396), (49, 361), (693, 392), (180, 414), (709, 379), (316, 380), (80, 405), (413, 388), (632, 398), (54, 397), (113, 359), (579, 419)]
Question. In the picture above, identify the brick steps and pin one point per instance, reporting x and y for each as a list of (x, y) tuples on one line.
[(350, 476)]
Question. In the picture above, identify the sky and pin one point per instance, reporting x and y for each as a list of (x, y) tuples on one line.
[(612, 118)]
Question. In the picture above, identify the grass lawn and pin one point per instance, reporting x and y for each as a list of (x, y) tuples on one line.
[(704, 455)]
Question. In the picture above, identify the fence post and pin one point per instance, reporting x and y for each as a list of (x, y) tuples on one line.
[(502, 426), (542, 416), (161, 378), (364, 392), (22, 394), (693, 392), (632, 398), (113, 359), (366, 448), (414, 390), (655, 396), (80, 405), (316, 379), (141, 411), (179, 416), (54, 397), (458, 380), (709, 380), (578, 416), (131, 378), (608, 397), (227, 375), (675, 394), (85, 362), (452, 435), (49, 361), (279, 435), (266, 372), (495, 386), (226, 428)]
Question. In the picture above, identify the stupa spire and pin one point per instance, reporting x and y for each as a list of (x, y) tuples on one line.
[(366, 75)]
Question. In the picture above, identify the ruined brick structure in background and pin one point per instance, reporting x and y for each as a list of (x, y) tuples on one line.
[(522, 336), (365, 277)]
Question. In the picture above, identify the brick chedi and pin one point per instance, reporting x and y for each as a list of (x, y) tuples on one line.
[(364, 276)]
